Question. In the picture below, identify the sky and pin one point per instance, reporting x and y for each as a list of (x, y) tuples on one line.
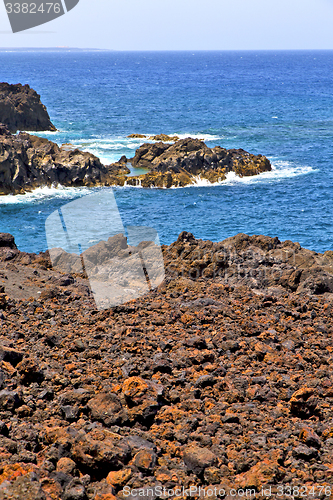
[(182, 25)]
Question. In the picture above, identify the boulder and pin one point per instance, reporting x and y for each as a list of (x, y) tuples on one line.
[(22, 109)]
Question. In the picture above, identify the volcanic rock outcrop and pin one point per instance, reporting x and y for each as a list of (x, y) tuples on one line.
[(183, 162), (28, 162), (211, 380), (21, 109)]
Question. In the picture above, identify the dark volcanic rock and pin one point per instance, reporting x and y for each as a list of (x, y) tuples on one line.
[(7, 240), (260, 262), (21, 109), (182, 163), (28, 162)]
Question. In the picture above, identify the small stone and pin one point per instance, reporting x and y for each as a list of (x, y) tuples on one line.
[(3, 429), (9, 400), (305, 453), (70, 412), (145, 460), (119, 477), (198, 459), (29, 371), (75, 491), (106, 407), (212, 475), (24, 411), (67, 466), (11, 356), (303, 402), (310, 438)]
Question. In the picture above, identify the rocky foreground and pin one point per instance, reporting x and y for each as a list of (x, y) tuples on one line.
[(220, 378), (22, 109)]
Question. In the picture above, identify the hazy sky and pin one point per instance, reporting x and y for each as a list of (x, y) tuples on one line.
[(183, 25)]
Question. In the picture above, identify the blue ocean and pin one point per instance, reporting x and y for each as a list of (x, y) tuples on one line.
[(279, 104)]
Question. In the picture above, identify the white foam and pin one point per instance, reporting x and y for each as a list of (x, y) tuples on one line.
[(43, 193), (280, 170), (49, 132), (205, 137), (138, 185)]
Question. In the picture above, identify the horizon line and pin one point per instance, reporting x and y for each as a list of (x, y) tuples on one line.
[(64, 49)]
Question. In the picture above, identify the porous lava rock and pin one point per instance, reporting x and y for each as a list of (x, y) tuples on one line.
[(214, 380)]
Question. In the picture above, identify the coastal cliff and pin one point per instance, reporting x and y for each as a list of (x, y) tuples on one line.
[(220, 378), (22, 109)]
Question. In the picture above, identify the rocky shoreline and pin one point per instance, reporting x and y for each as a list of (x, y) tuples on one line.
[(28, 162), (220, 378)]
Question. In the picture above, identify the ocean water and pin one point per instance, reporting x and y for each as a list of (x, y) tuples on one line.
[(279, 104)]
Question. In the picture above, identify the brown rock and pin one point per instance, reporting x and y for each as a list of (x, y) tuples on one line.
[(29, 371), (134, 390), (309, 437), (98, 449), (27, 162), (119, 477), (7, 240), (66, 465), (198, 459), (9, 400), (164, 137), (107, 408), (303, 402), (10, 355), (266, 472), (145, 460)]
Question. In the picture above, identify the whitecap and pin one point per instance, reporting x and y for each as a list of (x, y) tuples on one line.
[(280, 170), (43, 193), (195, 135)]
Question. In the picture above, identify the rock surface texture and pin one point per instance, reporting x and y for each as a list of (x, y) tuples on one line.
[(220, 378), (21, 109), (28, 162), (188, 160)]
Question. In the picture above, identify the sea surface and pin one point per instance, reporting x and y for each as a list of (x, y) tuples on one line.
[(279, 104)]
